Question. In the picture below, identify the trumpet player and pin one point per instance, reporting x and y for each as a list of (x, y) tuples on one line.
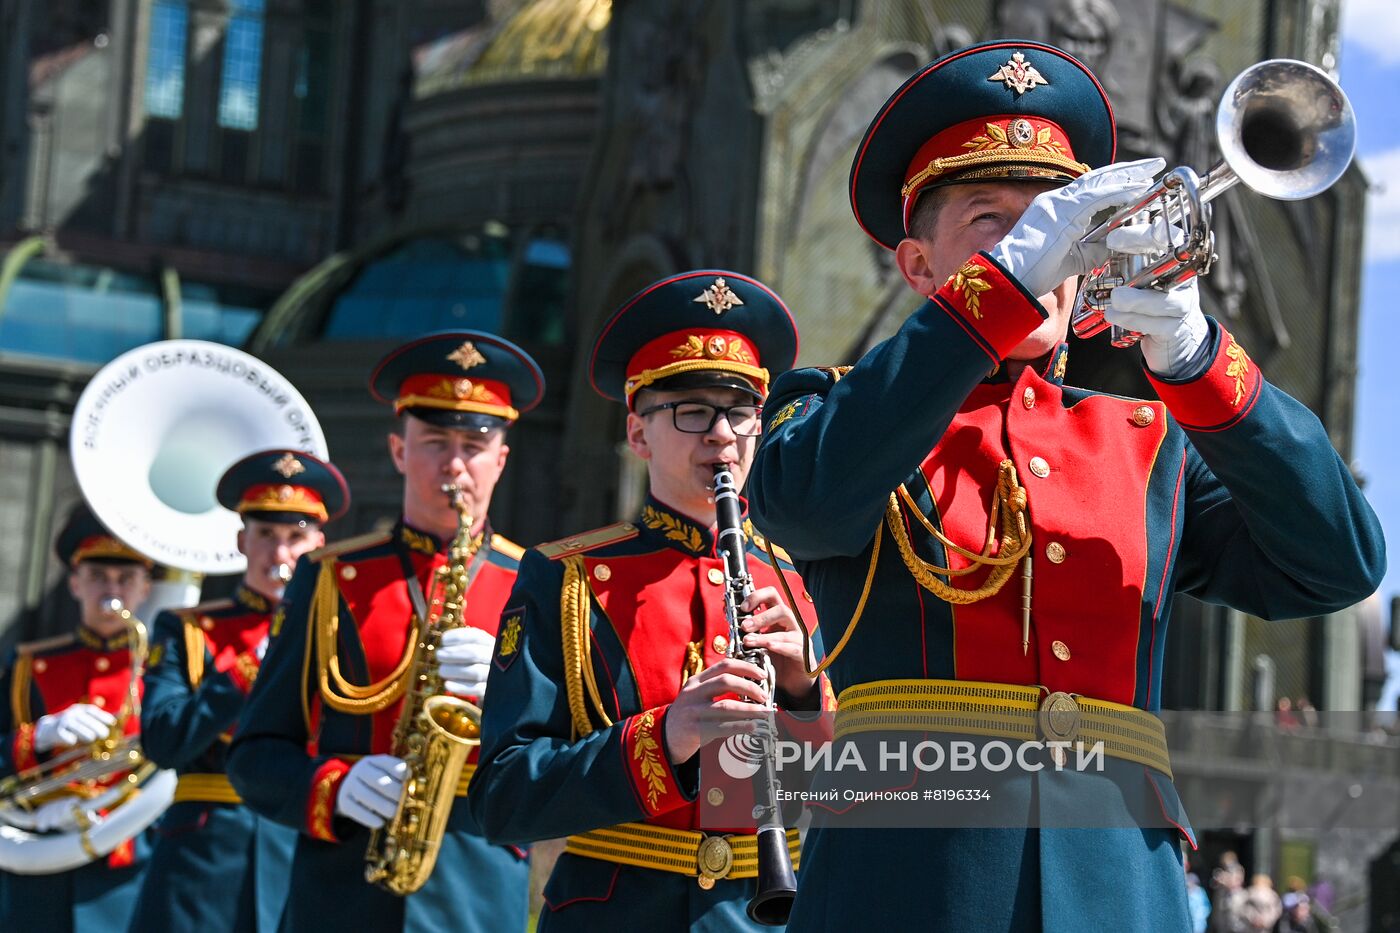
[(602, 699), (216, 864), (64, 693), (322, 746), (982, 175)]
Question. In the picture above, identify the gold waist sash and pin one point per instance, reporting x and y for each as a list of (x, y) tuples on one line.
[(680, 851), (1007, 711)]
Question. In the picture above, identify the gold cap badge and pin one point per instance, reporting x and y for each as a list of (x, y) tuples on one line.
[(719, 297), (467, 355), (288, 466), (1017, 75)]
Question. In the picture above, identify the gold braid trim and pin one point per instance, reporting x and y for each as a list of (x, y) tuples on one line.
[(340, 694), (807, 653), (22, 677), (647, 376), (1009, 502), (194, 652), (946, 164), (574, 612)]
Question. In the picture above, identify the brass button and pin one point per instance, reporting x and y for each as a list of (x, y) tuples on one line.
[(807, 596), (716, 576), (602, 572), (40, 666), (715, 796), (1056, 552), (348, 573), (705, 882), (720, 644), (207, 623), (99, 701), (1143, 415), (1039, 467), (1028, 397), (102, 664), (1061, 649)]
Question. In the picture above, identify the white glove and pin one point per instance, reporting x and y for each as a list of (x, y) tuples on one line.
[(261, 650), (370, 793), (464, 660), (1173, 327), (76, 725), (63, 814), (1043, 248)]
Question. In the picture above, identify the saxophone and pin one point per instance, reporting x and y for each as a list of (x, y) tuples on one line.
[(434, 734)]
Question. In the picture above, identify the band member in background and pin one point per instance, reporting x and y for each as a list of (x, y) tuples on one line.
[(216, 864), (315, 749), (982, 174), (600, 703), (66, 692)]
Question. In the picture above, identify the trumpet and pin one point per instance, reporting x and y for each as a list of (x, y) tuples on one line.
[(1285, 129)]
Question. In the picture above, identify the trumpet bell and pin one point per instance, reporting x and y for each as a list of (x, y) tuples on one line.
[(1286, 129)]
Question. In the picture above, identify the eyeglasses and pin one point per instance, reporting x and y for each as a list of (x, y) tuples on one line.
[(700, 417)]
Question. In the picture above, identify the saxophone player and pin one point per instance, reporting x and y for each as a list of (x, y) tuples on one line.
[(315, 748), (215, 862), (63, 693), (602, 699)]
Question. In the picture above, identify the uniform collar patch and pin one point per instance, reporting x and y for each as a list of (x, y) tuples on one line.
[(425, 542), (675, 529), (251, 599), (96, 642), (421, 541)]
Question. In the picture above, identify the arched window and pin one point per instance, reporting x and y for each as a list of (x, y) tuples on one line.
[(165, 59), (433, 283), (242, 72)]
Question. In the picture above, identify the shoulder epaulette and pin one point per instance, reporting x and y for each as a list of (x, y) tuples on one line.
[(203, 608), (349, 544), (835, 372), (45, 644), (577, 544), (507, 547), (763, 543)]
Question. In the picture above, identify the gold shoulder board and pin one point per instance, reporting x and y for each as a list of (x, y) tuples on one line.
[(194, 612), (44, 644), (507, 547), (578, 544), (762, 542), (348, 545), (836, 372)]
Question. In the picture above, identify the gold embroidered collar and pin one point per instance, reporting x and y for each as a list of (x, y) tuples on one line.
[(251, 599), (96, 642), (676, 530), (427, 543)]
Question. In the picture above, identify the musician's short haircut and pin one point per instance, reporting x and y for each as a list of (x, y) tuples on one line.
[(925, 214)]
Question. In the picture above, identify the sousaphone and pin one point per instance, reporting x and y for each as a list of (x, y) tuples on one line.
[(152, 433)]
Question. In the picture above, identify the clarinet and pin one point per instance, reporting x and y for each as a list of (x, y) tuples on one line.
[(777, 884)]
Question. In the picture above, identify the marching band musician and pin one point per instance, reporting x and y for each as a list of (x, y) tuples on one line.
[(66, 692), (216, 864), (601, 700), (315, 748), (982, 174)]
